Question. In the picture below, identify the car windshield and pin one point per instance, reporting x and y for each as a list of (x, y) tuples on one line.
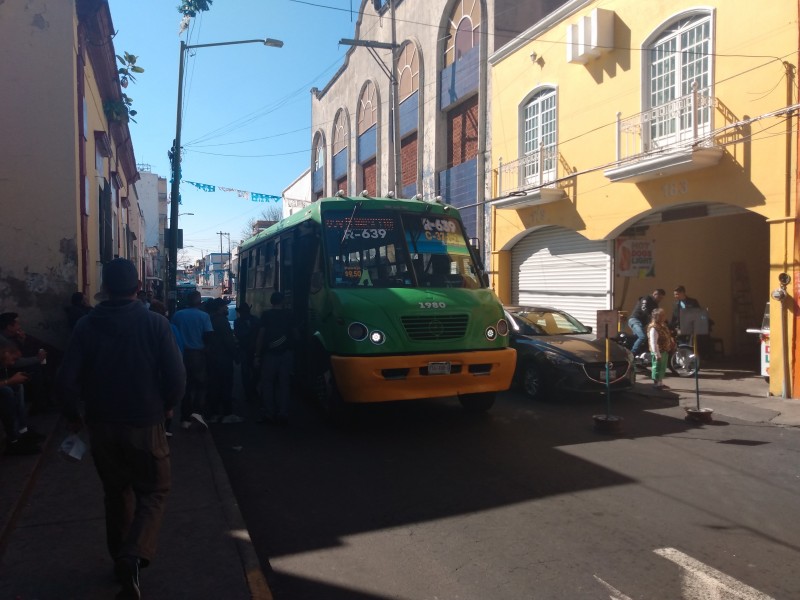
[(549, 322), (384, 248)]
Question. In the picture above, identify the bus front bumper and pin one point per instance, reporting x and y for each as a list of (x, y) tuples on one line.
[(408, 377)]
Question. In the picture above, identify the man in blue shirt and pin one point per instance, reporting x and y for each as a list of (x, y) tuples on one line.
[(194, 326)]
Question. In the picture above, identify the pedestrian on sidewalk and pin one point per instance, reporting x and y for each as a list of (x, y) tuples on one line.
[(19, 439), (223, 350), (194, 325), (159, 307), (661, 343), (245, 328), (123, 363), (274, 356)]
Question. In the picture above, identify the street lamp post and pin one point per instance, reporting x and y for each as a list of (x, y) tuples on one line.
[(176, 165)]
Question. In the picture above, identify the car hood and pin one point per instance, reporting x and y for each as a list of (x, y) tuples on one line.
[(583, 347)]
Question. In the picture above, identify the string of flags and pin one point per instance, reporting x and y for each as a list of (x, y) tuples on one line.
[(252, 196)]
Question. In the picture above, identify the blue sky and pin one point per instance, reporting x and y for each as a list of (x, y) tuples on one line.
[(247, 115)]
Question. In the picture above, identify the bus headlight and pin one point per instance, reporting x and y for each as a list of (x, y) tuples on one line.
[(491, 333), (502, 327), (357, 331), (377, 337)]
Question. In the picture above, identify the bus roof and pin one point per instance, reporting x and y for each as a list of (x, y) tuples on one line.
[(313, 212)]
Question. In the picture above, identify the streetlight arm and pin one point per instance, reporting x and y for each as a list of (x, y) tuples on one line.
[(266, 41), (176, 165)]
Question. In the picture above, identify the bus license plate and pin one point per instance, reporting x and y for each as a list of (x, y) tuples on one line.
[(438, 368)]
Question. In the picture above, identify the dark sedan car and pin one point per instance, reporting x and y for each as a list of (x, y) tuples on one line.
[(556, 352)]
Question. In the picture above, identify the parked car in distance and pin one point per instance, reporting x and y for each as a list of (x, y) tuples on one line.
[(557, 353), (231, 313)]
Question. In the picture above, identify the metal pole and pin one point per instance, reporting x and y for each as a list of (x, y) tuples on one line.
[(176, 165), (398, 182), (172, 283)]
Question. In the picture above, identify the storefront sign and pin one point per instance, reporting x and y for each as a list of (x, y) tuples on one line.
[(635, 258)]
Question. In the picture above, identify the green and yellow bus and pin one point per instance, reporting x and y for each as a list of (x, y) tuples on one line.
[(391, 302)]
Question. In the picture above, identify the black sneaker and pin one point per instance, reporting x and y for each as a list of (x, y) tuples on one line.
[(126, 569), (33, 436), (198, 418), (21, 447)]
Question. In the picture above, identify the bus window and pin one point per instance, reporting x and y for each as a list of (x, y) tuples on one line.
[(251, 269), (264, 268), (285, 266)]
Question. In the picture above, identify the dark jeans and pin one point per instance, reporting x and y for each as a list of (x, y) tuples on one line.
[(220, 386), (641, 337), (276, 372), (134, 466), (9, 407), (196, 377), (250, 377)]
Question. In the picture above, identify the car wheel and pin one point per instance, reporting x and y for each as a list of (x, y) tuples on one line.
[(477, 403), (532, 382)]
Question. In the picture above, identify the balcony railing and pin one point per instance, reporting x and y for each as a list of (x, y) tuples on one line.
[(687, 120), (537, 169)]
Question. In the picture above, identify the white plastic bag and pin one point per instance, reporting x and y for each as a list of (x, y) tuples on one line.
[(72, 448)]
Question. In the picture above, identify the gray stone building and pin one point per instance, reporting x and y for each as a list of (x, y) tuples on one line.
[(440, 50)]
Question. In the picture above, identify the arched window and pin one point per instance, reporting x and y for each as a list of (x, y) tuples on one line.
[(408, 71), (318, 175), (367, 108), (679, 64), (464, 30), (367, 138), (339, 133), (539, 139), (340, 159), (319, 154)]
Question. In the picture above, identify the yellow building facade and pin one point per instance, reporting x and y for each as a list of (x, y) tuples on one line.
[(67, 165), (637, 146)]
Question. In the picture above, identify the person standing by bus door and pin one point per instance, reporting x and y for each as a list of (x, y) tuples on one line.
[(245, 328), (194, 326), (273, 357)]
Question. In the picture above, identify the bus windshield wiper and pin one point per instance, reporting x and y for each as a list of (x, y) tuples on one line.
[(349, 222)]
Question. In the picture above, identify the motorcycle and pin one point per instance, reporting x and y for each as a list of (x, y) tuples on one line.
[(682, 361)]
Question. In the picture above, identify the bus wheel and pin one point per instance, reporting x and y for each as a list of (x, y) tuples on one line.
[(477, 403)]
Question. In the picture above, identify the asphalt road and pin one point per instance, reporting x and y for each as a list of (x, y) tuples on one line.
[(423, 501)]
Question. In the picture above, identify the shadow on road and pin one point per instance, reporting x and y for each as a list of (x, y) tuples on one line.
[(305, 487)]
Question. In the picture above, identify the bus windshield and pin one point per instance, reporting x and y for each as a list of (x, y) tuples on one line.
[(385, 248)]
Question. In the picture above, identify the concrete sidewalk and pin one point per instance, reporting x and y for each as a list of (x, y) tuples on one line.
[(53, 536), (730, 392)]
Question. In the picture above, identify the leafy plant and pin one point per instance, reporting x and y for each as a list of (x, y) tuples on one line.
[(190, 8), (119, 111), (128, 62)]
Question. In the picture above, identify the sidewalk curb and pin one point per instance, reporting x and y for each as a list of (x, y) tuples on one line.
[(256, 581)]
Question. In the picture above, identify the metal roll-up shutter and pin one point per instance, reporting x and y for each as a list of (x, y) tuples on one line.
[(561, 268)]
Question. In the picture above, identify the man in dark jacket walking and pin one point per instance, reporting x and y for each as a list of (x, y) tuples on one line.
[(123, 363), (640, 318)]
